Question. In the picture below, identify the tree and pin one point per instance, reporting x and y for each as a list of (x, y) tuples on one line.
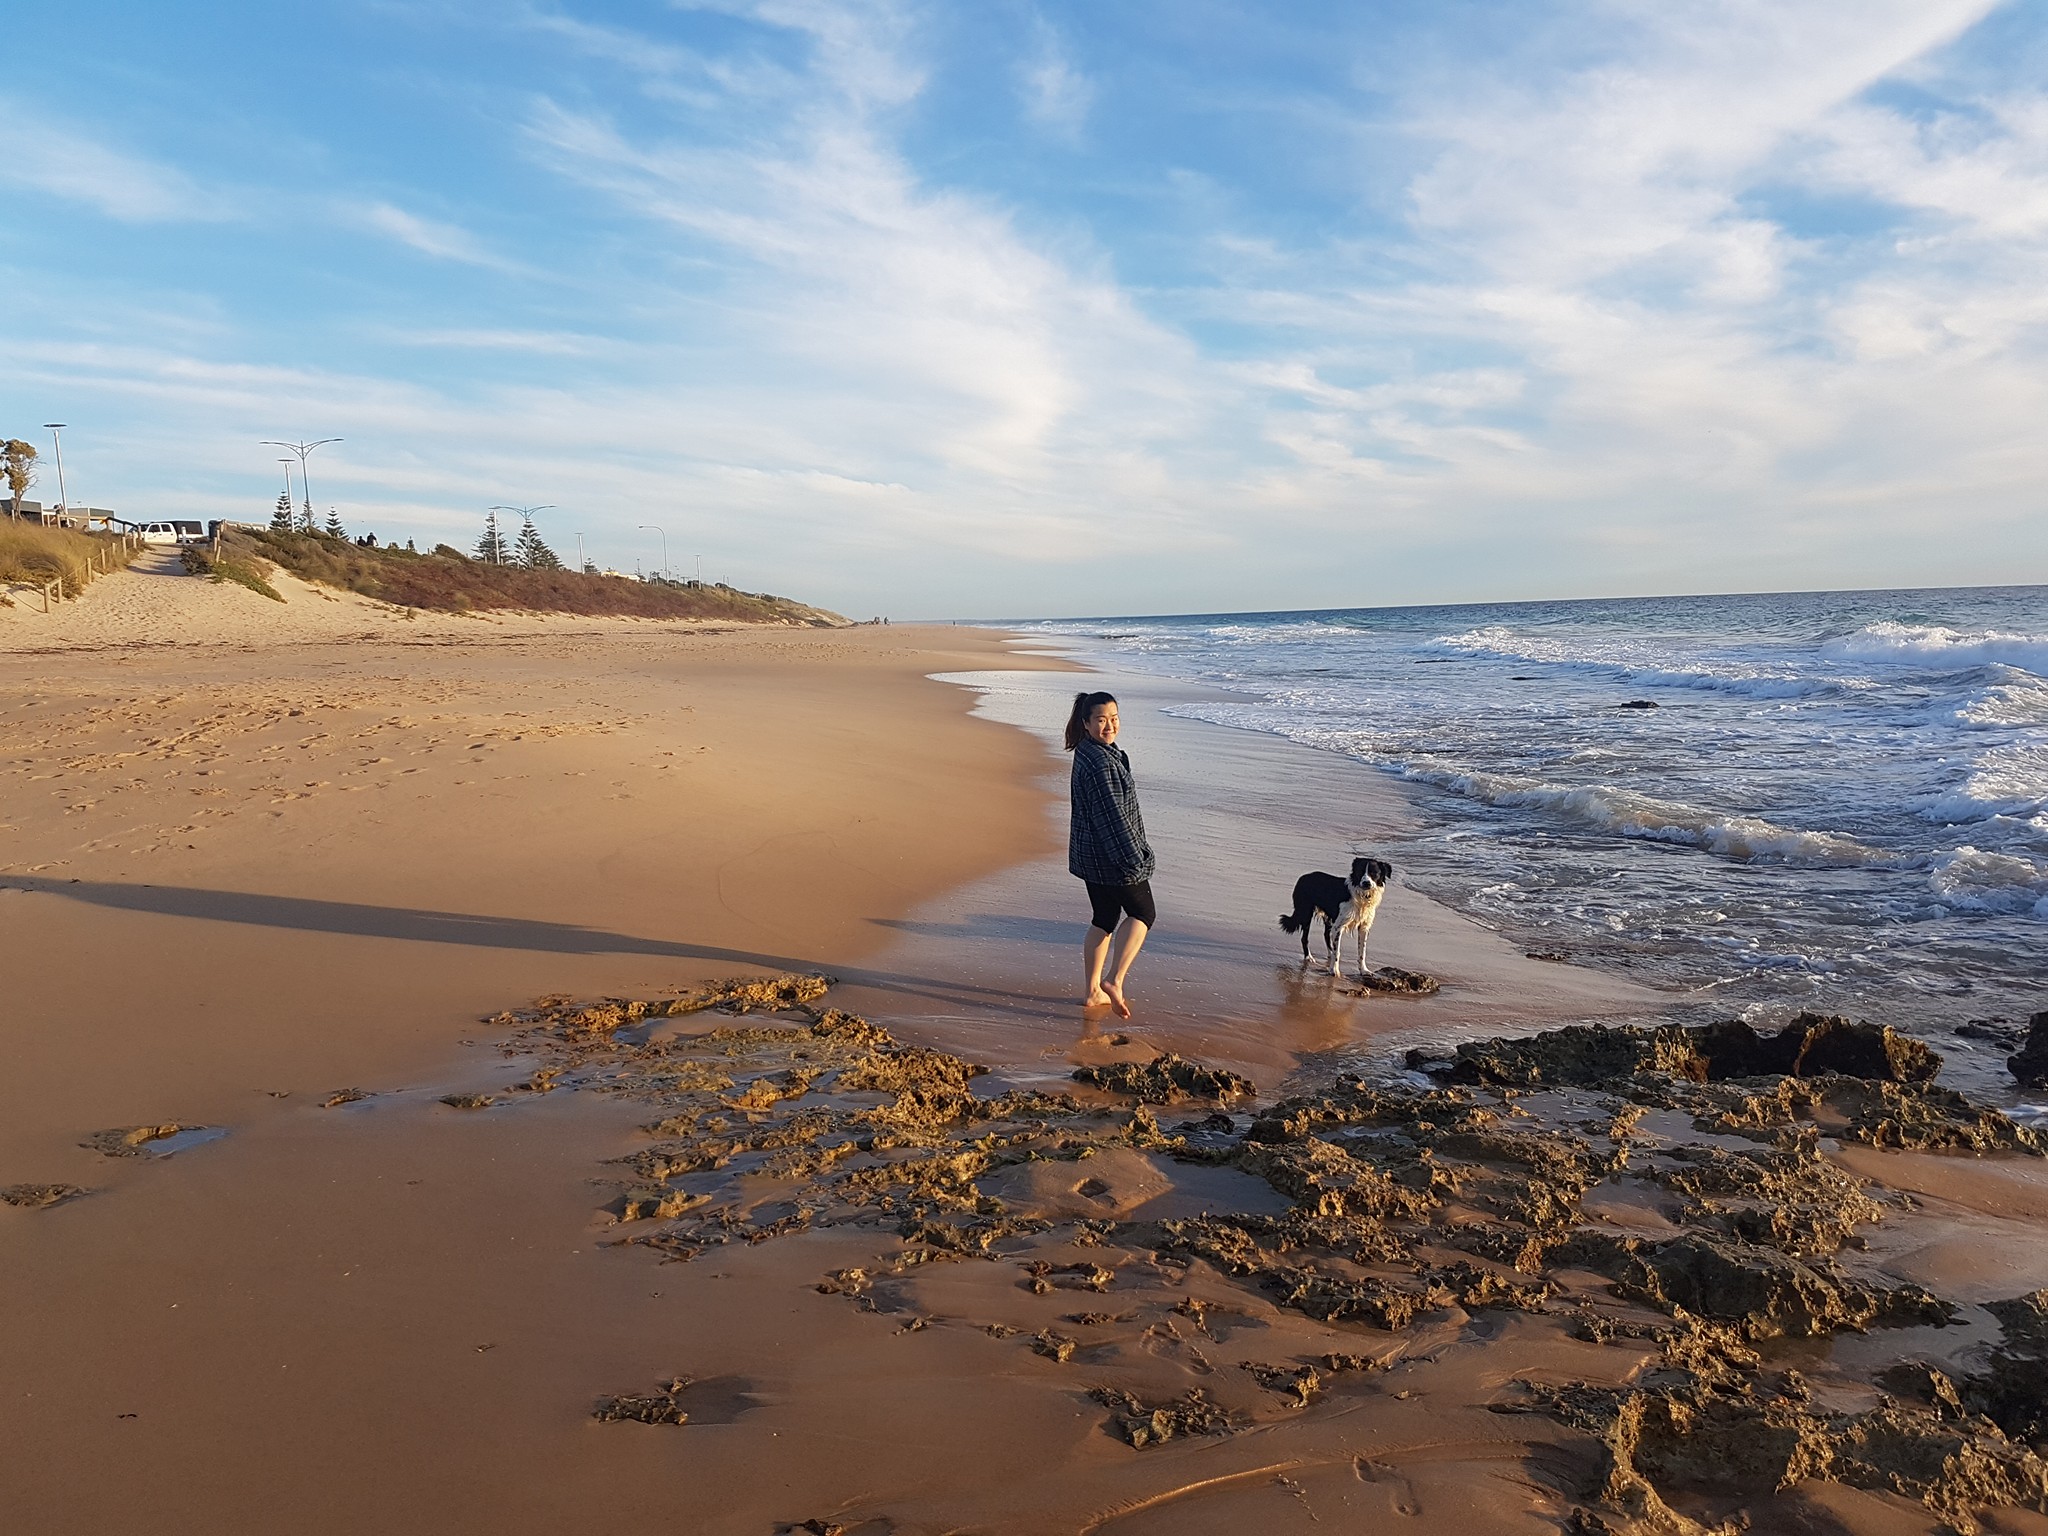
[(282, 521), (491, 547), (334, 528), (590, 568), (18, 462), (529, 551)]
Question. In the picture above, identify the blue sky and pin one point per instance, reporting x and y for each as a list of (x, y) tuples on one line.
[(1005, 308)]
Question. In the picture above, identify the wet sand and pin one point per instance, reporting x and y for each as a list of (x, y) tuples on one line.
[(242, 879)]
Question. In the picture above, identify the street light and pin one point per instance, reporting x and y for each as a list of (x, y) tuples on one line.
[(56, 428), (305, 480), (287, 463), (664, 543), (525, 512)]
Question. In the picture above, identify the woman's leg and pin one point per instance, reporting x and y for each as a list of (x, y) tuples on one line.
[(1094, 950), (1130, 938), (1107, 904), (1140, 914)]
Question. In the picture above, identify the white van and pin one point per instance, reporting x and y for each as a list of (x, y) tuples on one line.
[(175, 532)]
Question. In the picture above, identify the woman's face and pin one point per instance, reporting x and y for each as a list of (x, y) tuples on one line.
[(1101, 725)]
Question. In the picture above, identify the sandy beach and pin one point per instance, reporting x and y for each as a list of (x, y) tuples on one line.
[(296, 877)]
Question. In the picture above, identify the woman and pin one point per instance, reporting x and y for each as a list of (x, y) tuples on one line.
[(1106, 848)]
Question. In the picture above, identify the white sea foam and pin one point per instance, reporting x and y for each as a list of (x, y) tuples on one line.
[(1974, 880), (2016, 700), (1629, 814), (1944, 649), (2006, 781), (1627, 662)]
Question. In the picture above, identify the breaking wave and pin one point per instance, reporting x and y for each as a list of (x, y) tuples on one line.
[(1628, 814), (1944, 649), (1624, 664), (2006, 781), (1974, 880)]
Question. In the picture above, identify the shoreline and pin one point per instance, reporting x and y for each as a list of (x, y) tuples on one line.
[(397, 1312)]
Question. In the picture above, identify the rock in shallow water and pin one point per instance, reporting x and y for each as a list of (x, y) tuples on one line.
[(2030, 1064)]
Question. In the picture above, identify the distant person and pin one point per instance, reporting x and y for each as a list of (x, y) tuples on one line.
[(1106, 848)]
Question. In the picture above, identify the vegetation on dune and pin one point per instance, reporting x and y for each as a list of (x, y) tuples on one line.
[(243, 570), (33, 553), (449, 581)]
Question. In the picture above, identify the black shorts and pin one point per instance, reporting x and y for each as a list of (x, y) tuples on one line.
[(1111, 902)]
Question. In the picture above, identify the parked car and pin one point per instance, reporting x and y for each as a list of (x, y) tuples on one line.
[(176, 531)]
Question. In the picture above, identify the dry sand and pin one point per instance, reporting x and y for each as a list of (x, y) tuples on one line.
[(253, 854)]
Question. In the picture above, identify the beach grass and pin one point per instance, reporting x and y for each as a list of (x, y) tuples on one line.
[(449, 582), (30, 552), (243, 570)]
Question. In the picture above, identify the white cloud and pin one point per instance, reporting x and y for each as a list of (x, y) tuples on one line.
[(1056, 93), (430, 237), (40, 154)]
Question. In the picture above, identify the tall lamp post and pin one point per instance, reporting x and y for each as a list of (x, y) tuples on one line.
[(287, 463), (664, 544), (305, 480), (525, 512), (56, 429)]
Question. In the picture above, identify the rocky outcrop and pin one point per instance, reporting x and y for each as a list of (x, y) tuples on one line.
[(2030, 1063), (1761, 1293), (1598, 1055), (1167, 1079)]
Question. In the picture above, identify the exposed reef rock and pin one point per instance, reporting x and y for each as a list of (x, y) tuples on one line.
[(1597, 1055), (1761, 1293), (2030, 1063), (1167, 1079), (36, 1197), (661, 1406), (1667, 1193), (1142, 1424), (1393, 981), (134, 1140)]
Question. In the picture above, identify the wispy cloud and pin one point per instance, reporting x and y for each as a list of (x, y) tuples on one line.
[(1056, 93), (430, 237), (40, 154)]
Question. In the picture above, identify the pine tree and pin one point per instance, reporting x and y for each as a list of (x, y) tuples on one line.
[(530, 552), (306, 523), (281, 521), (491, 547), (334, 528)]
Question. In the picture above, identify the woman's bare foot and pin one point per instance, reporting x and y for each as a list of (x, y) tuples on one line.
[(1098, 999), (1115, 994)]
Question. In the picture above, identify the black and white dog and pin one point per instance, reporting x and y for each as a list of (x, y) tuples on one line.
[(1345, 906)]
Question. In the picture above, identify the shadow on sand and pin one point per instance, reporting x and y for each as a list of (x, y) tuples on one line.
[(422, 925)]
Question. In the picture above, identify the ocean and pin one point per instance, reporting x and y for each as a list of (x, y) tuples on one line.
[(1765, 802)]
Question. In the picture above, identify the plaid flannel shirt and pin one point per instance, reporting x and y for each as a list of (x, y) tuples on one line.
[(1106, 845)]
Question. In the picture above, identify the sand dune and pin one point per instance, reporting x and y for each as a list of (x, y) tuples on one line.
[(155, 603)]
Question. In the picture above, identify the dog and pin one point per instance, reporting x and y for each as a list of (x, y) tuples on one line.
[(1345, 906)]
